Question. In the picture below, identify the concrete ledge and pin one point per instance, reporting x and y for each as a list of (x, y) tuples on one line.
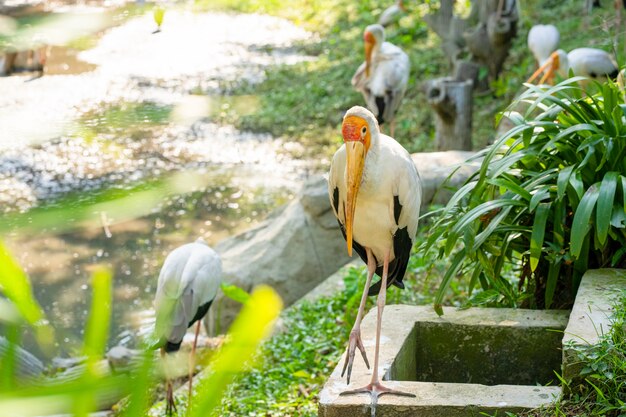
[(591, 315), (439, 400), (400, 362)]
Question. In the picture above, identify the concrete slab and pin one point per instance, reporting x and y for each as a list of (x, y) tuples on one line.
[(591, 315), (400, 357)]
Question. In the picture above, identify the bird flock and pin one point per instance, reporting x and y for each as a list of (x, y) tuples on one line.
[(374, 189)]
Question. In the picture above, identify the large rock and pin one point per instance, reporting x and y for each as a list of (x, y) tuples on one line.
[(293, 250), (436, 167), (300, 245)]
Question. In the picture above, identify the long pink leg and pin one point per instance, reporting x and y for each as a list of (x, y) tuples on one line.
[(192, 363), (375, 388), (355, 334), (392, 127)]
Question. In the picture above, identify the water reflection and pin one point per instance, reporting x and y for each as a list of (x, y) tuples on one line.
[(60, 264), (108, 120)]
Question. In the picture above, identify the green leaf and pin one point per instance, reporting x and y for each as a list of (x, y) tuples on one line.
[(454, 267), (251, 327), (538, 233), (553, 277), (96, 334), (605, 205), (582, 217), (15, 286), (235, 293), (562, 181), (540, 195), (509, 184)]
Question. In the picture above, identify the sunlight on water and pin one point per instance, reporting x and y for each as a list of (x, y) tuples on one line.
[(131, 109)]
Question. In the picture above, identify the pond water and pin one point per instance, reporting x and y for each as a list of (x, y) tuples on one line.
[(131, 109)]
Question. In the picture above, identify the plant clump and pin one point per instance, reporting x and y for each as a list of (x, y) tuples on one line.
[(547, 203)]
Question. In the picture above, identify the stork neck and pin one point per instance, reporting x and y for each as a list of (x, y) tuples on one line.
[(371, 161)]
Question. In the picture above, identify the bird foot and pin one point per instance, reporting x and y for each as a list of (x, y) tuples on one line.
[(353, 343), (170, 407), (376, 390)]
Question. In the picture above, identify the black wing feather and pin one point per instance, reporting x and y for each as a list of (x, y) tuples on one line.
[(402, 249)]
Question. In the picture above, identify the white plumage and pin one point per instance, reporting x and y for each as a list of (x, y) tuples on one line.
[(375, 192), (542, 41), (388, 171), (189, 279), (391, 13), (383, 77), (587, 62), (188, 284)]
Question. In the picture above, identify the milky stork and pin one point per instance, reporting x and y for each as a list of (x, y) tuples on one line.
[(188, 284), (587, 62), (375, 192), (383, 77), (392, 13), (542, 41)]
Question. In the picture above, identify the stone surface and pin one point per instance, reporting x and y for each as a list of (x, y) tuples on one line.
[(399, 359), (300, 245), (591, 315), (436, 167), (27, 364), (293, 250)]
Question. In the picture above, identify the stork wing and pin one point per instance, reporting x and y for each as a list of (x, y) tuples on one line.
[(396, 78), (407, 196)]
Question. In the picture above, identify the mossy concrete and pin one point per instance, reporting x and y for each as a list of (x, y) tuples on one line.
[(463, 363), (591, 315), (478, 360)]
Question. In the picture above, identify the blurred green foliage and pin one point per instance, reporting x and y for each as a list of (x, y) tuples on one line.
[(84, 394)]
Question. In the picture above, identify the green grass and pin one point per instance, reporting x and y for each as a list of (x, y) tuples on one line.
[(313, 335)]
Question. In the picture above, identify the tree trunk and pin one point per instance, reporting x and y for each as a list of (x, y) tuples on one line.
[(490, 40), (486, 34), (452, 102), (449, 28)]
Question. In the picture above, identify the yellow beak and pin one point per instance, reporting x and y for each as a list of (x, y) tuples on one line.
[(369, 46), (355, 152), (553, 64)]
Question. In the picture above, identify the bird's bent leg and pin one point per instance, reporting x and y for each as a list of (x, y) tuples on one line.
[(375, 388), (170, 407), (355, 334), (192, 356), (392, 127)]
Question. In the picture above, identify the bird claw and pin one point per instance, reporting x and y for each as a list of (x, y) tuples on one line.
[(353, 343), (376, 390), (170, 406)]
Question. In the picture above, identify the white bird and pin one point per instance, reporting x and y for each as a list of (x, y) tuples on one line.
[(383, 77), (375, 192), (587, 62), (542, 41), (188, 284), (392, 13)]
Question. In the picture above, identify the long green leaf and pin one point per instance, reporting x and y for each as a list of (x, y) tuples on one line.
[(538, 233), (454, 267), (252, 326), (562, 181), (96, 334), (605, 205), (582, 217), (553, 276), (15, 285)]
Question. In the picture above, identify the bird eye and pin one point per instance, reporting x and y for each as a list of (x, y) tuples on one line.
[(363, 130)]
